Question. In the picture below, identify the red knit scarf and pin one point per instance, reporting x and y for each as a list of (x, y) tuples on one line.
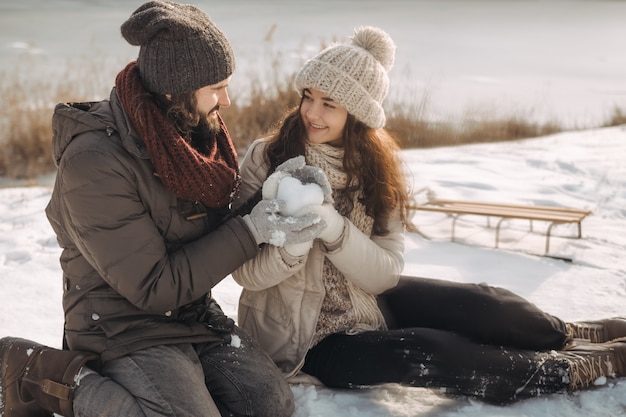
[(211, 177)]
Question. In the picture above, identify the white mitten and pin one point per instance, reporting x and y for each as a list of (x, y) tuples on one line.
[(298, 249), (334, 222), (270, 186)]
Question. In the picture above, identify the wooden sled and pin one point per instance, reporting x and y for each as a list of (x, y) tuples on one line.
[(552, 215)]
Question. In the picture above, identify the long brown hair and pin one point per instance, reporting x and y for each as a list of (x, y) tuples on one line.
[(371, 156), (180, 109)]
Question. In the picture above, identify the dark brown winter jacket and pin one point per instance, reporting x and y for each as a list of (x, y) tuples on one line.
[(138, 263)]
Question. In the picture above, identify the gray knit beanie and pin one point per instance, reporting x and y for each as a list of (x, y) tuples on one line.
[(180, 48), (354, 75)]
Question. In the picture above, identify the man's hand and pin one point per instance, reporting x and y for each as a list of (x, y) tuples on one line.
[(267, 225)]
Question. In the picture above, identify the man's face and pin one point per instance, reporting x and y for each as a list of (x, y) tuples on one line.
[(210, 98)]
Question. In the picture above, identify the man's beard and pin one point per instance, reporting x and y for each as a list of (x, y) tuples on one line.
[(205, 134), (211, 121)]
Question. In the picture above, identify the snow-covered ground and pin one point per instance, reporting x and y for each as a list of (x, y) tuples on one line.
[(583, 170)]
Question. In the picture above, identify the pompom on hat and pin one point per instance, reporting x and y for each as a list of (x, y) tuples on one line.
[(180, 48), (354, 75)]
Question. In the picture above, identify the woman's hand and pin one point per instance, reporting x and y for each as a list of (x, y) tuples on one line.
[(333, 220)]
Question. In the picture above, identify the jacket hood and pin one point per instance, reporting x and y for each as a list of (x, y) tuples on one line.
[(71, 119), (106, 117)]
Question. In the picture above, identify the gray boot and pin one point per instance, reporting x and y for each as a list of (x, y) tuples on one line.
[(36, 381), (598, 331), (589, 361)]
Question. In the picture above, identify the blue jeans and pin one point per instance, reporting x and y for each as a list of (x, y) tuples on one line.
[(187, 380)]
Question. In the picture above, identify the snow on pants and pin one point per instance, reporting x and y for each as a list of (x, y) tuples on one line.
[(187, 380), (471, 339)]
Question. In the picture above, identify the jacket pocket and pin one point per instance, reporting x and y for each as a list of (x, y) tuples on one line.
[(266, 318), (267, 304)]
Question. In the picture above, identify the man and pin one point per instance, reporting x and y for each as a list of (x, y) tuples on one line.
[(140, 207)]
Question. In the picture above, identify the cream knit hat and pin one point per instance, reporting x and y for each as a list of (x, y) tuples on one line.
[(354, 75)]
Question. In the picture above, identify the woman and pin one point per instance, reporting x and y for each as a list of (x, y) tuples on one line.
[(336, 309)]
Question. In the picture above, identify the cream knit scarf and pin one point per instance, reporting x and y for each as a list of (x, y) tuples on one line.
[(330, 159)]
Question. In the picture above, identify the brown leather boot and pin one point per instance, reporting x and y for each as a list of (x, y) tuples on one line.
[(590, 361), (36, 381), (598, 331)]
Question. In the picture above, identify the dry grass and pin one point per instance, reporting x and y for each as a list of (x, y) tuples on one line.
[(28, 102), (26, 119), (25, 123), (419, 133), (617, 118), (255, 114)]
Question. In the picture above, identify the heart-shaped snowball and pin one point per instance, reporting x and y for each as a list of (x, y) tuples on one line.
[(298, 196)]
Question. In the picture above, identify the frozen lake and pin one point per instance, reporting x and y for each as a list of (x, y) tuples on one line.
[(546, 59)]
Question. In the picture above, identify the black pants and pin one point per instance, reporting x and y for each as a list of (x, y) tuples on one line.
[(471, 339)]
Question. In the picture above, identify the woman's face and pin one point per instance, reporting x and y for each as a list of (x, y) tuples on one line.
[(323, 119)]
